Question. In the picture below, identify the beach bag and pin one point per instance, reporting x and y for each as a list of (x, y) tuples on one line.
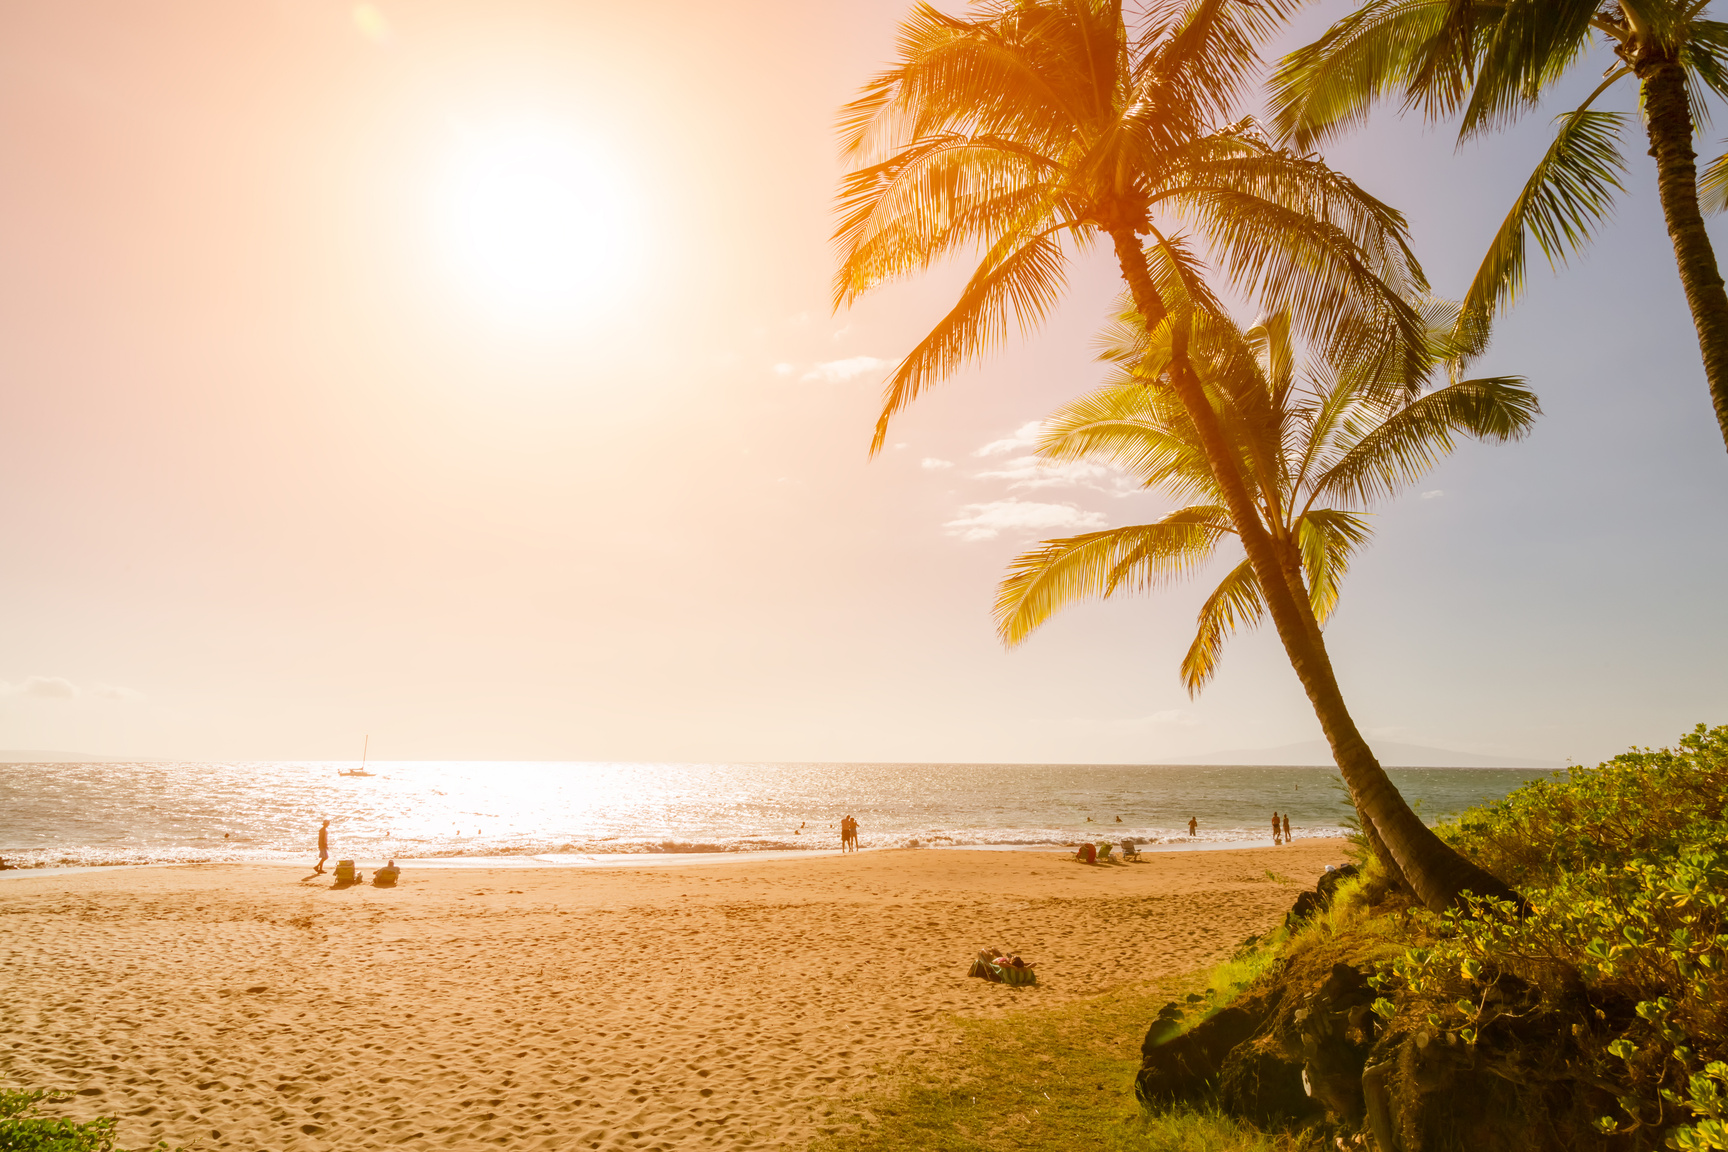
[(344, 871)]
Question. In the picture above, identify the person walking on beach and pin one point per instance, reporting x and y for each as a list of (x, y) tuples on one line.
[(1276, 838), (323, 848), (1286, 827), (1193, 826), (852, 825)]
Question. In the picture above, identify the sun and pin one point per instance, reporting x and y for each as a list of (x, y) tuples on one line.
[(535, 224)]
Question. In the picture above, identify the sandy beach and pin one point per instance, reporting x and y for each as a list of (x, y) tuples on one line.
[(700, 1006)]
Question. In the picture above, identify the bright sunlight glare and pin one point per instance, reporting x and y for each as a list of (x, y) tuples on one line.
[(534, 223)]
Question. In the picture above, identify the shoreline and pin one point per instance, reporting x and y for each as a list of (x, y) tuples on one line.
[(717, 1005), (558, 860)]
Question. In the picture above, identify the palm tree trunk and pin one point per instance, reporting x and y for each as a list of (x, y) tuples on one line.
[(1670, 128), (1436, 873)]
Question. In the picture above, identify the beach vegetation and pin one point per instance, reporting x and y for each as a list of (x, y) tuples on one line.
[(1028, 132), (1588, 1016), (23, 1127), (1488, 64)]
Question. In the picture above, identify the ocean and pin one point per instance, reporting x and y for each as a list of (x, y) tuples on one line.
[(55, 815)]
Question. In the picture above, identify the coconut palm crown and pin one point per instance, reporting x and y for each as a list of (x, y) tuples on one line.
[(1487, 63), (1319, 447), (1026, 131)]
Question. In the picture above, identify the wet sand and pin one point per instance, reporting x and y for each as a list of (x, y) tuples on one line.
[(698, 1006)]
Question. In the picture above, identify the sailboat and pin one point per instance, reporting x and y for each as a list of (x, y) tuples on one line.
[(360, 771)]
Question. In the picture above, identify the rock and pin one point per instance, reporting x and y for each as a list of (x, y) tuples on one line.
[(1320, 897), (1334, 1032), (1184, 1065), (1259, 1082)]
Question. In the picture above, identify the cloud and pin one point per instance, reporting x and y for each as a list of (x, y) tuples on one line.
[(115, 692), (933, 462), (840, 371), (1033, 472), (52, 687), (987, 521), (60, 688), (1174, 716), (1434, 495), (1024, 437), (782, 369)]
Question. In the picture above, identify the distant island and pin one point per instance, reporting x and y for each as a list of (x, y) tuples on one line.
[(1316, 754)]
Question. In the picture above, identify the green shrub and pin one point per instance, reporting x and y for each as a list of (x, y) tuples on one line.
[(1624, 941), (24, 1129)]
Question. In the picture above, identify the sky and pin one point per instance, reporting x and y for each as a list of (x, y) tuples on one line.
[(323, 421)]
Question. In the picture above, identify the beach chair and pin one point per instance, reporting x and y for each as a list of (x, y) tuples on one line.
[(1104, 847), (1130, 850)]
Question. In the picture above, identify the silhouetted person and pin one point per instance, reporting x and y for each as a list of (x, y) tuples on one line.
[(1286, 827), (1275, 833), (1193, 826), (323, 847)]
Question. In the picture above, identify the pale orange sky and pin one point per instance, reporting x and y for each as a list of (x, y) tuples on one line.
[(282, 471)]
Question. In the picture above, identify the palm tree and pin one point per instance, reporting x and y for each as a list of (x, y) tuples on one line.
[(1030, 130), (1317, 448), (1490, 60)]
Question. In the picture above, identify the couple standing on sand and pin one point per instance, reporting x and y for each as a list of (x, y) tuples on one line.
[(1276, 839), (848, 834)]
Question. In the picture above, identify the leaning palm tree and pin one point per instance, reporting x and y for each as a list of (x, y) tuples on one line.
[(1031, 130), (1489, 62), (1318, 446)]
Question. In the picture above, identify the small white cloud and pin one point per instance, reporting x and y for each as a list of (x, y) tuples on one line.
[(987, 521), (1434, 495), (60, 688), (933, 462), (1174, 716), (840, 371), (782, 369), (902, 444), (1024, 437), (115, 692), (1032, 472), (52, 687)]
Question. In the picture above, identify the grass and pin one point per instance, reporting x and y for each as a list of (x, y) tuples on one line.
[(1059, 1079)]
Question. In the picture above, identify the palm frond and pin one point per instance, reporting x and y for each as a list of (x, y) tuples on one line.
[(1399, 450), (1201, 55), (1528, 47), (938, 195), (1020, 280), (1713, 185), (1236, 603), (1328, 538), (1095, 565), (1141, 431), (1567, 196), (1706, 59), (1329, 87)]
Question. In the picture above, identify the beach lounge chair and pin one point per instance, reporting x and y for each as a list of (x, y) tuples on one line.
[(1130, 850), (1104, 847)]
